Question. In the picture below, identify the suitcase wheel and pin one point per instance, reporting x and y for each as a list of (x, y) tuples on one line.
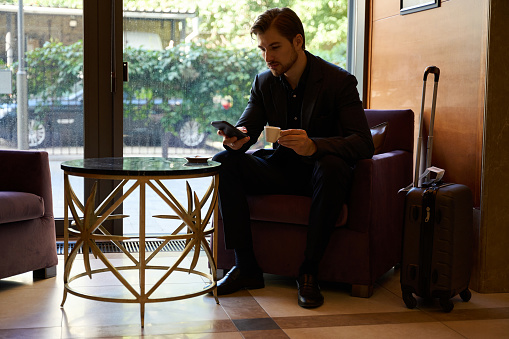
[(466, 295), (409, 300), (446, 304)]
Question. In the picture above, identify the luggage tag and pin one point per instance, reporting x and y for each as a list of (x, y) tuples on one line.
[(438, 178), (439, 174)]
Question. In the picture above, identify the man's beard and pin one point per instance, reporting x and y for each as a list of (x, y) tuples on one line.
[(285, 67)]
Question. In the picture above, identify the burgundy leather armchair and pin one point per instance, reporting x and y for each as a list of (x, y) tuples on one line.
[(367, 240), (27, 226)]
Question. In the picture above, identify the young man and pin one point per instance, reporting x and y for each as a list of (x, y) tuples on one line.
[(324, 133)]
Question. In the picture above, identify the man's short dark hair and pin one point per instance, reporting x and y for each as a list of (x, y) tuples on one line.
[(284, 20)]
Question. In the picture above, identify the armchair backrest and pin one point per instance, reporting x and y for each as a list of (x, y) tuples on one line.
[(29, 172), (400, 132)]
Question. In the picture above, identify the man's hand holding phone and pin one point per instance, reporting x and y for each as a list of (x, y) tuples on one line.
[(233, 137)]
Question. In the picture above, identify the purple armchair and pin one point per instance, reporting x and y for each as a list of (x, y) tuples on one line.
[(27, 226), (367, 240)]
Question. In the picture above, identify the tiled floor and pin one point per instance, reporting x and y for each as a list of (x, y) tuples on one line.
[(31, 309)]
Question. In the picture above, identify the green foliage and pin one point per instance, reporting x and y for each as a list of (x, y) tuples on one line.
[(54, 69), (195, 76), (228, 22)]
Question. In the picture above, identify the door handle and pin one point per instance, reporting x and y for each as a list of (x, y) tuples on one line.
[(125, 71)]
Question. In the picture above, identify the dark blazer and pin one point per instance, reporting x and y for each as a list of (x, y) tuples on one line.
[(332, 113)]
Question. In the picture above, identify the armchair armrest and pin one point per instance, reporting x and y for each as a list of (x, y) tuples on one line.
[(375, 186)]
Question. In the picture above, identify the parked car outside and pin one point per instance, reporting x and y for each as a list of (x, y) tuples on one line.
[(198, 84), (50, 123), (59, 122)]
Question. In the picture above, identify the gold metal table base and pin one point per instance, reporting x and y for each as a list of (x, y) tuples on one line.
[(88, 227)]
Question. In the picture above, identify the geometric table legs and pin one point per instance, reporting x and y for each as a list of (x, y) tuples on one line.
[(87, 227)]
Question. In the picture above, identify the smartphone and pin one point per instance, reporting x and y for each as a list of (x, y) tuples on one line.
[(228, 129)]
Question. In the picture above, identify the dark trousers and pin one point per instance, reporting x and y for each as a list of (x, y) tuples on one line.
[(325, 180)]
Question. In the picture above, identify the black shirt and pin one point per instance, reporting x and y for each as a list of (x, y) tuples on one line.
[(294, 99)]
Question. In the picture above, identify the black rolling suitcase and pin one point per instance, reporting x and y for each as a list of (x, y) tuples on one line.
[(438, 230)]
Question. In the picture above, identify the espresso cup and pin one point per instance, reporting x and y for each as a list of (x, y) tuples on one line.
[(272, 133)]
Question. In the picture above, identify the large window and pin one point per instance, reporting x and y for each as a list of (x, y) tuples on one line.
[(189, 62)]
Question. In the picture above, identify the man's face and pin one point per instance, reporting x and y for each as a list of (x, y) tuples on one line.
[(279, 53)]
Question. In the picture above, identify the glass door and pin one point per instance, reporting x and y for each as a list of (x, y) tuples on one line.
[(176, 86), (159, 117)]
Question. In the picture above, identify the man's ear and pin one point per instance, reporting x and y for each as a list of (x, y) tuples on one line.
[(298, 41)]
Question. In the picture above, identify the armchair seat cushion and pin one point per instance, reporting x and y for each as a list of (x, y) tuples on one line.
[(19, 206), (286, 209)]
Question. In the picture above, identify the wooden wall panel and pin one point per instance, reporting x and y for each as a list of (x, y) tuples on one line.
[(451, 37), (383, 9)]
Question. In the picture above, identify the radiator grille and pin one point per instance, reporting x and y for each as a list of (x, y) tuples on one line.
[(130, 246)]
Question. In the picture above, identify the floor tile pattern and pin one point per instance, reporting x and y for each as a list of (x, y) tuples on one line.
[(31, 309)]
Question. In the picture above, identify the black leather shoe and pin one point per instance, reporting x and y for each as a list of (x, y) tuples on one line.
[(309, 292), (236, 280)]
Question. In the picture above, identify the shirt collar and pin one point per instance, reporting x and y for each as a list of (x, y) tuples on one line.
[(302, 80)]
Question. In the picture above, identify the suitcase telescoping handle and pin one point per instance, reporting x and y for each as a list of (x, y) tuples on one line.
[(436, 72), (431, 69)]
